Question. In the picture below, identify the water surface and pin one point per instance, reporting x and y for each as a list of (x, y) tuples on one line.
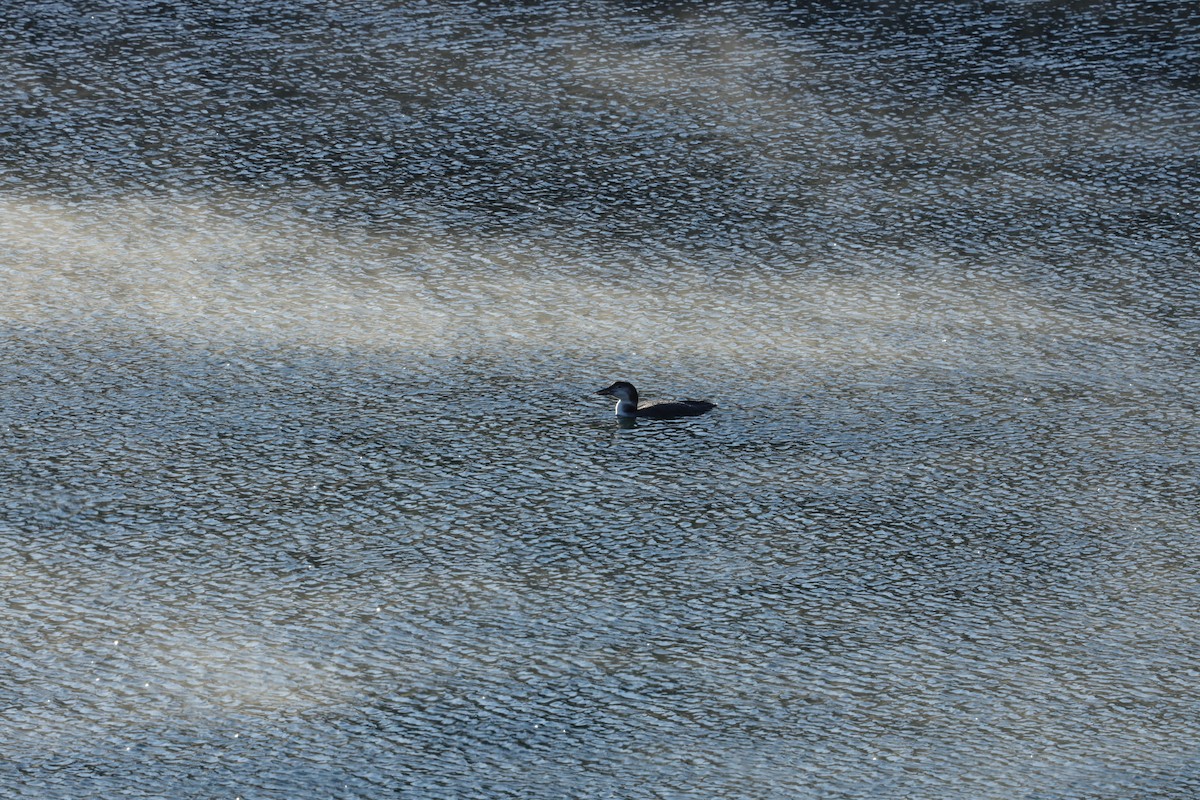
[(306, 493)]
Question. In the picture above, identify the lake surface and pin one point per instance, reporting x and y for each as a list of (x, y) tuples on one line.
[(306, 492)]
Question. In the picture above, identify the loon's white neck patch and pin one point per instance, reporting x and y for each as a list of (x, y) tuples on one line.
[(626, 408)]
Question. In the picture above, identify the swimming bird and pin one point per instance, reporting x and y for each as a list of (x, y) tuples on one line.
[(627, 404)]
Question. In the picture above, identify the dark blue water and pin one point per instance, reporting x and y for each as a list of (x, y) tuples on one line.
[(305, 492)]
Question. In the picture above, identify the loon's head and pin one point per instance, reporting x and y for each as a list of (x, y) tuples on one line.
[(622, 390), (627, 397)]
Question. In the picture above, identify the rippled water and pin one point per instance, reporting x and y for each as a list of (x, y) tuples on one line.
[(306, 492)]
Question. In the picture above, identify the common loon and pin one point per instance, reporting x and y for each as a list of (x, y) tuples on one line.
[(627, 404)]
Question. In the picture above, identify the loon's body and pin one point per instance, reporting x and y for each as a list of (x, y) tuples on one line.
[(627, 404)]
